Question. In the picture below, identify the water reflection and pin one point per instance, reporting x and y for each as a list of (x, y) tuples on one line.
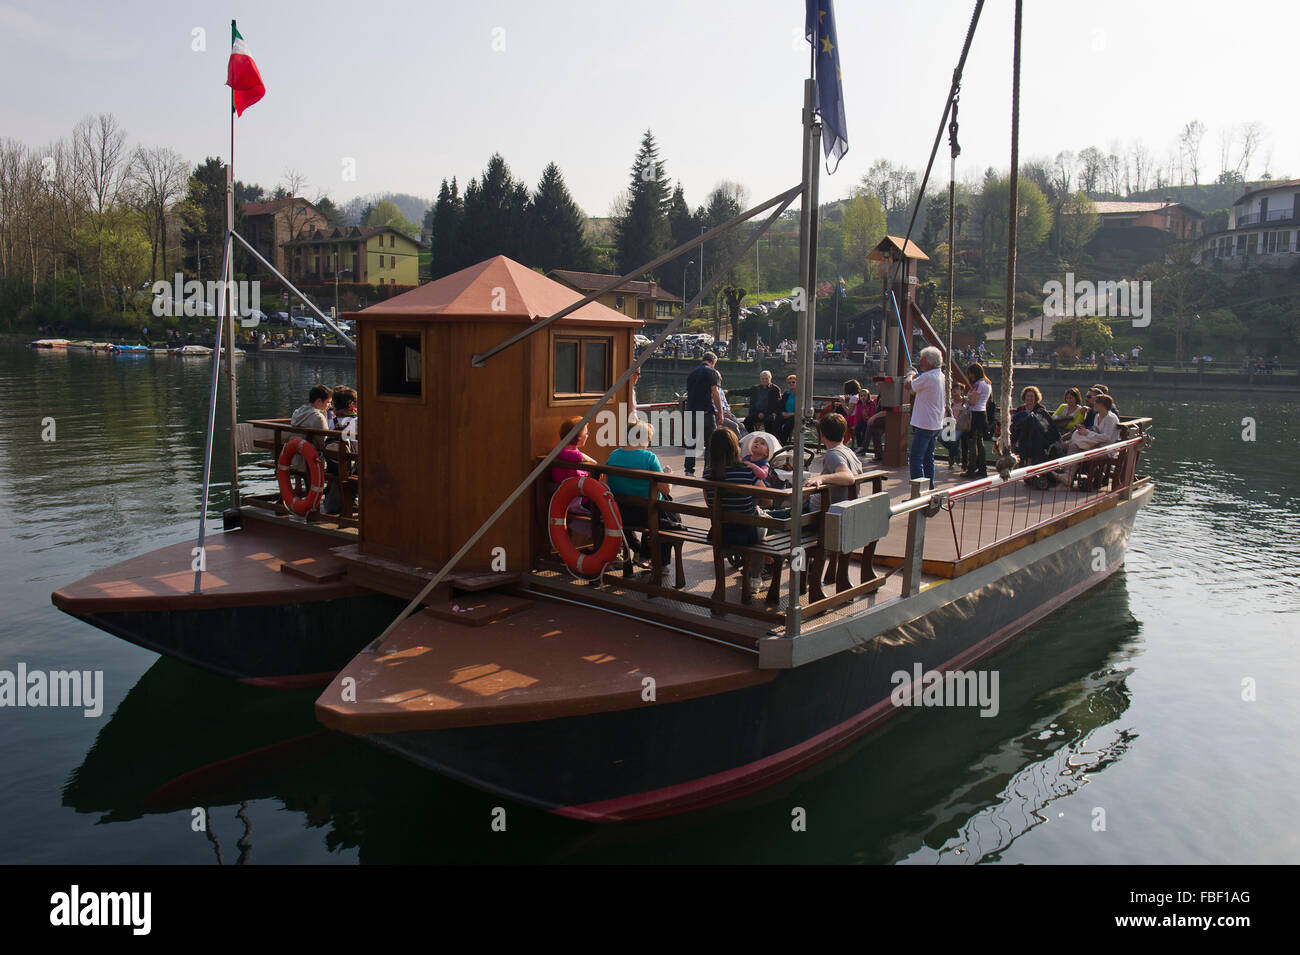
[(936, 786)]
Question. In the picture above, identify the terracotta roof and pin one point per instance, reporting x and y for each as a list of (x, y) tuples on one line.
[(1285, 184), (1124, 206), (517, 291), (590, 281), (274, 205), (895, 244), (349, 234)]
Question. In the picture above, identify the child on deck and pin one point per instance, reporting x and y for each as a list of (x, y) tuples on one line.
[(758, 447)]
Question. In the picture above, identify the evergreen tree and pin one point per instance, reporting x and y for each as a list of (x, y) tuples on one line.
[(557, 228), (682, 227), (203, 232), (496, 209), (641, 230), (723, 206), (446, 217)]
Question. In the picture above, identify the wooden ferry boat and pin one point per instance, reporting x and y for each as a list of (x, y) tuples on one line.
[(447, 629), (634, 694)]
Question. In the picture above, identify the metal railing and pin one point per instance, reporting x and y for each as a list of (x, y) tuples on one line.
[(989, 511)]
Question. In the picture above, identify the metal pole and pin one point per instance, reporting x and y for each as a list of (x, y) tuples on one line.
[(229, 293), (1007, 460), (212, 423), (294, 289), (805, 328)]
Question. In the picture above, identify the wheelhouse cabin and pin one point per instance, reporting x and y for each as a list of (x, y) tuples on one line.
[(444, 442)]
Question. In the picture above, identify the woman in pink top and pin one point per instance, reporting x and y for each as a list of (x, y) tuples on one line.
[(571, 455)]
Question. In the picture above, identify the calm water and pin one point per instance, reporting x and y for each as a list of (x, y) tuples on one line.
[(1128, 701)]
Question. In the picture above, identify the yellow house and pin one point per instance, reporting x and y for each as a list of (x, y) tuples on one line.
[(643, 300), (361, 255)]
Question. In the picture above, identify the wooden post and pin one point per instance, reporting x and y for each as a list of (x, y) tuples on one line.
[(915, 541)]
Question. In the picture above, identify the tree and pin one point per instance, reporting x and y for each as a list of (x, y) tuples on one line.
[(863, 225), (641, 231), (1079, 222), (1189, 144), (682, 227), (203, 234), (157, 179), (1034, 219), (557, 227), (1176, 287), (496, 209), (1089, 332), (1092, 163), (724, 205), (448, 213), (387, 215)]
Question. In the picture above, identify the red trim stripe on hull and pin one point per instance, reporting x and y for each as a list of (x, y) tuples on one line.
[(734, 783)]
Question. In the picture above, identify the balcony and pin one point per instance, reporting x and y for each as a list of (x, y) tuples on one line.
[(1274, 216)]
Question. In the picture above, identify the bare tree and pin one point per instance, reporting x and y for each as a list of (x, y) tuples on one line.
[(100, 145), (1225, 148), (1189, 145), (157, 179), (1141, 157), (1091, 164), (1249, 136)]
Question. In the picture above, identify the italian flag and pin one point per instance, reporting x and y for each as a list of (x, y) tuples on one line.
[(241, 74)]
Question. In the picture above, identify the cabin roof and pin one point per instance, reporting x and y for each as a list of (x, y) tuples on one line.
[(500, 289), (892, 245)]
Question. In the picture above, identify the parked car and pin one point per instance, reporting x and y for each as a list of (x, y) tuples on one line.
[(304, 322)]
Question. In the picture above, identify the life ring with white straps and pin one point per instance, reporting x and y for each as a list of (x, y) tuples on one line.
[(586, 565), (315, 475)]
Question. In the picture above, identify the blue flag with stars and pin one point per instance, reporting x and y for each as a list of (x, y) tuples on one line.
[(819, 30)]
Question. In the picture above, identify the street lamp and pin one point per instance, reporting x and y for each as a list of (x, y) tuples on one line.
[(336, 290), (684, 268)]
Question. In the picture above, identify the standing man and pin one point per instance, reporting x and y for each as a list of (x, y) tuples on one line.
[(928, 390), (703, 396), (763, 405)]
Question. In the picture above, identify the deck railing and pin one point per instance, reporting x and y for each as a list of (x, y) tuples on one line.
[(701, 524), (272, 434), (985, 513)]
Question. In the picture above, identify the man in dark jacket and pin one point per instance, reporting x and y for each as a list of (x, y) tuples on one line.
[(703, 396), (763, 405)]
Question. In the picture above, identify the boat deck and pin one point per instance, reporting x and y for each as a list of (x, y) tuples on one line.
[(261, 563), (949, 542)]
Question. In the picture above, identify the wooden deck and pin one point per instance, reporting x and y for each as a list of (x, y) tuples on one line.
[(259, 564), (558, 661)]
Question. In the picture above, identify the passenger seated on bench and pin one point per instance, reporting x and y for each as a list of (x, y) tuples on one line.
[(342, 417), (1085, 439), (725, 465), (311, 415), (840, 466), (638, 456), (570, 455)]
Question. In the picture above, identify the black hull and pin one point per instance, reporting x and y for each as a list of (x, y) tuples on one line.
[(282, 645), (663, 759)]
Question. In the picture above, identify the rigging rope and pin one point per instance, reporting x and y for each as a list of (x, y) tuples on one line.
[(950, 106)]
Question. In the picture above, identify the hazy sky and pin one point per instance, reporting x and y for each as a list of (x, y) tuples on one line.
[(418, 91)]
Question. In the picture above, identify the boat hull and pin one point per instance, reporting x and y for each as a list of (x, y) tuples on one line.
[(286, 646), (661, 759)]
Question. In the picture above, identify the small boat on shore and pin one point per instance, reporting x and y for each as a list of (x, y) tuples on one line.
[(50, 343), (190, 351)]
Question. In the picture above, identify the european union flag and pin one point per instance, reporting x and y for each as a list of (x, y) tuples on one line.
[(819, 30)]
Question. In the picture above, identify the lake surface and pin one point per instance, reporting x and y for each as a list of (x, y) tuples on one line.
[(1164, 703)]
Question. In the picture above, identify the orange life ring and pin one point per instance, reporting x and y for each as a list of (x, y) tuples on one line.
[(315, 475), (588, 487)]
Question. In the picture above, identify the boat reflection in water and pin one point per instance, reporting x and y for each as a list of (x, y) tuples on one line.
[(940, 785)]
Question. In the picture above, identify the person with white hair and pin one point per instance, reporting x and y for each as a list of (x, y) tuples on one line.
[(928, 390)]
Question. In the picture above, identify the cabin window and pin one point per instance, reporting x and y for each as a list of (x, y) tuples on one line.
[(399, 363), (581, 366)]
